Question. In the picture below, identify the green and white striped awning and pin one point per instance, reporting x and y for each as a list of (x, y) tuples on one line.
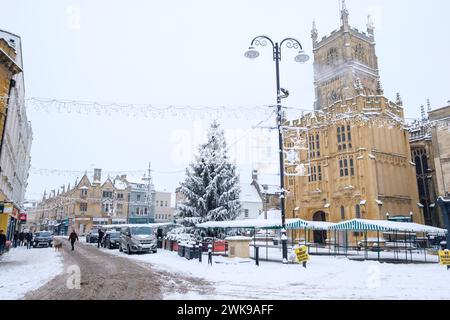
[(362, 225), (294, 224)]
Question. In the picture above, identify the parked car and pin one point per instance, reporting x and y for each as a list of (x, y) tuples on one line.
[(135, 239), (42, 239), (92, 236), (111, 239)]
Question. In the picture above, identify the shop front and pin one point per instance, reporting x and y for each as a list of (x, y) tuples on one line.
[(4, 218), (65, 228), (98, 222), (118, 221), (13, 219)]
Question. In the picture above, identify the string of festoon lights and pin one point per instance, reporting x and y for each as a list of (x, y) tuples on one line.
[(80, 173), (195, 112), (153, 111)]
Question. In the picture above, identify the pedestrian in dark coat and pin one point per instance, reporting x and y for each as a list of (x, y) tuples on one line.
[(21, 238), (2, 241), (100, 237), (72, 238), (15, 238), (29, 238)]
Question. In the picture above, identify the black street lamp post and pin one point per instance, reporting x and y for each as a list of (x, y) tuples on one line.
[(302, 57)]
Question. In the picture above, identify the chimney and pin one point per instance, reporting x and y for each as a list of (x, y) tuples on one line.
[(255, 175), (97, 175)]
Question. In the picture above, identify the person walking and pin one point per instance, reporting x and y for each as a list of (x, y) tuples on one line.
[(29, 238), (15, 238), (72, 238), (100, 237), (21, 238), (2, 242)]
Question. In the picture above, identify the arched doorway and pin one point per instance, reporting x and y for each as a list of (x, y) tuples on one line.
[(319, 235)]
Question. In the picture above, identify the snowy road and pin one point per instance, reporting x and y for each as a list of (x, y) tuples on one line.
[(105, 276)]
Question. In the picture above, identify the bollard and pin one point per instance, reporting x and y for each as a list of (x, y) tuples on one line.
[(210, 257), (257, 255), (304, 264), (200, 254), (210, 254)]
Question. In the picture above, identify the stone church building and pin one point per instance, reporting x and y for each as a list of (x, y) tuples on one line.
[(358, 157)]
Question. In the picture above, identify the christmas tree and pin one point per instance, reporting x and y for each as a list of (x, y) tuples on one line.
[(211, 186)]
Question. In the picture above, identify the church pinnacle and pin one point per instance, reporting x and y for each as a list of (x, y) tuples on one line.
[(344, 14)]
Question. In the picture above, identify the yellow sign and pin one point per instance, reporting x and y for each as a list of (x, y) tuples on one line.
[(444, 257), (302, 254)]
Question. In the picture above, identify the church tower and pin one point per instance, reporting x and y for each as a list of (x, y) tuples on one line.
[(344, 63)]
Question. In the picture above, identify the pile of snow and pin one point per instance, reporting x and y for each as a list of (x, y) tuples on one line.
[(324, 278), (23, 270)]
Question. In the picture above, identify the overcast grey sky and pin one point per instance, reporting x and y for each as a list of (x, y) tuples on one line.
[(190, 52)]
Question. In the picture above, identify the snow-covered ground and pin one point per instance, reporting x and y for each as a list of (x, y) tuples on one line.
[(23, 270), (324, 278)]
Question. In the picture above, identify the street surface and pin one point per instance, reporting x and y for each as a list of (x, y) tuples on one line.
[(105, 276)]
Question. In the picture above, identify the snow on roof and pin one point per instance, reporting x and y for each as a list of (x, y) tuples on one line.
[(268, 224), (153, 225), (84, 188), (250, 223), (363, 202), (271, 215), (249, 194), (379, 201), (238, 238), (269, 189), (327, 205), (386, 225), (120, 185)]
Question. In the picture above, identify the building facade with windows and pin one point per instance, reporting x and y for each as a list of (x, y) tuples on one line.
[(139, 207), (430, 148), (357, 153), (163, 209), (251, 202), (15, 133), (85, 205)]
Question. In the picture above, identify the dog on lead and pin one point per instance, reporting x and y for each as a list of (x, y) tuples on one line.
[(58, 246)]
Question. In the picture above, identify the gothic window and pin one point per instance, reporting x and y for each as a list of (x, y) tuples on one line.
[(314, 145), (344, 137), (346, 167), (358, 211), (342, 213), (334, 97), (332, 57), (360, 54)]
